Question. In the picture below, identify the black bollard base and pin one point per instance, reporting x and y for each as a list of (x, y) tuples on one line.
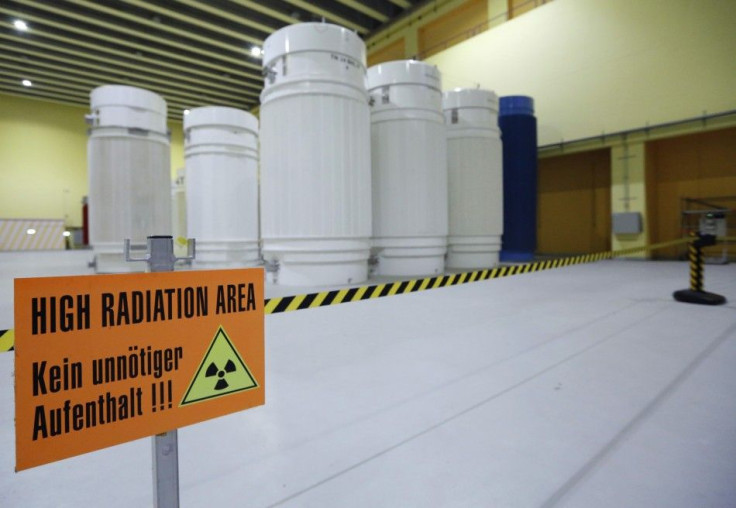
[(701, 297)]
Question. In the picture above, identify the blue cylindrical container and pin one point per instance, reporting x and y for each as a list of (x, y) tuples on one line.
[(519, 134)]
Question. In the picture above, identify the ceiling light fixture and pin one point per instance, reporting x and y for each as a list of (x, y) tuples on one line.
[(27, 82), (30, 231), (256, 51), (186, 112), (20, 25)]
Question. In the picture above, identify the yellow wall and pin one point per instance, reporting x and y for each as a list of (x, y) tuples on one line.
[(177, 147), (605, 65), (43, 159)]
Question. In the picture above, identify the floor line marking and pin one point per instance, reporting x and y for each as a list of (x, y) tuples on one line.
[(664, 394), (467, 410)]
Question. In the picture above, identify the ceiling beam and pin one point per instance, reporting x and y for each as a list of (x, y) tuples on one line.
[(101, 77), (89, 84), (126, 76), (70, 91), (43, 88), (328, 15), (127, 42), (360, 7), (258, 7), (125, 65), (205, 7), (201, 23), (401, 3), (152, 62), (162, 27), (189, 51), (33, 93), (143, 34)]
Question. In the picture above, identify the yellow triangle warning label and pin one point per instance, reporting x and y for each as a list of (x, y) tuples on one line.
[(221, 372)]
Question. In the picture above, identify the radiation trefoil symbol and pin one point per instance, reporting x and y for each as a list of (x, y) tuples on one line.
[(212, 370), (222, 372)]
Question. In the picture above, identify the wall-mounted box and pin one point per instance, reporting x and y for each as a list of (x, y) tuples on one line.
[(713, 222), (626, 223)]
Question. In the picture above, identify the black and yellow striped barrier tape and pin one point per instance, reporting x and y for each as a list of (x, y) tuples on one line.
[(335, 297), (347, 295)]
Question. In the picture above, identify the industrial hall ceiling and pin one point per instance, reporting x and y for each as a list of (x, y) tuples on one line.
[(193, 53)]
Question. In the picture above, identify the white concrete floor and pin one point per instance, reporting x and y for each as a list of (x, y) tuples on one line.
[(586, 386)]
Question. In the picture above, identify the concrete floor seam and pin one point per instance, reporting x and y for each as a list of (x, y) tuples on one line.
[(467, 410), (565, 490), (560, 335)]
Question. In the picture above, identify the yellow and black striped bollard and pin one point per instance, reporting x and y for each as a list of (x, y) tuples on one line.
[(695, 293)]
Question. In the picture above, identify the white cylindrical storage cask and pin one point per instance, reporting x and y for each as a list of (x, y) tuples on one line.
[(475, 178), (221, 153), (409, 161), (315, 156), (129, 172)]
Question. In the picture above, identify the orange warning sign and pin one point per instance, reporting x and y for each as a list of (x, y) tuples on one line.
[(105, 359)]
